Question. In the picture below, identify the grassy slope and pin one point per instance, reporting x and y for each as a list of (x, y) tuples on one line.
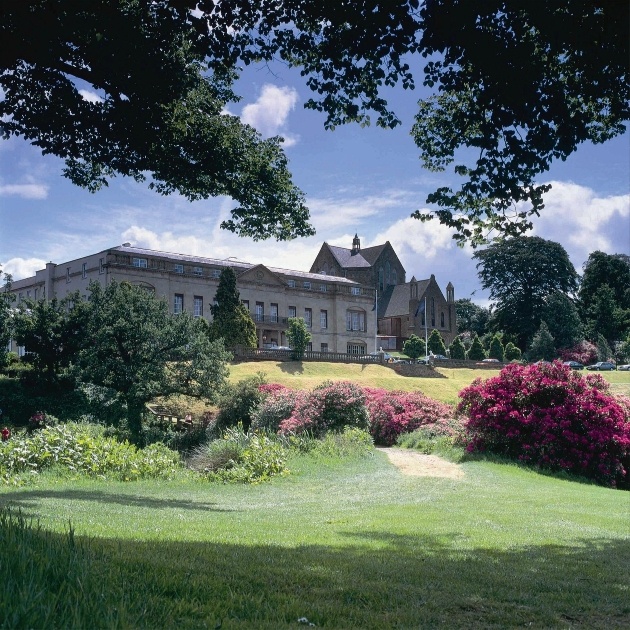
[(306, 375)]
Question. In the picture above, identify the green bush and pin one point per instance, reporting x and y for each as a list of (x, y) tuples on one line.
[(84, 450), (351, 442), (239, 457), (237, 402), (457, 350)]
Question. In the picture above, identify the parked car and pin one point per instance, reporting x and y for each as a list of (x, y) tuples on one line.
[(602, 366), (488, 362), (574, 365), (624, 368), (440, 357)]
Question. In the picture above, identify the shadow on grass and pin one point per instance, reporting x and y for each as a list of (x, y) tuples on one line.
[(379, 580), (291, 367), (26, 500)]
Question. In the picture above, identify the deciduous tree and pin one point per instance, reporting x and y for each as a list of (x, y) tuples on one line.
[(520, 275), (136, 348), (519, 83), (298, 336)]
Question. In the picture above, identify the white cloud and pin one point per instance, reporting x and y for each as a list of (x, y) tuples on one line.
[(26, 191), (583, 222), (269, 114), (22, 267), (91, 97)]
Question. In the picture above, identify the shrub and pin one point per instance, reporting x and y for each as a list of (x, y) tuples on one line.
[(551, 417), (237, 402), (85, 450), (328, 407), (457, 350), (476, 351), (496, 350), (512, 352), (277, 406), (351, 442), (585, 352), (394, 413), (435, 343), (240, 457)]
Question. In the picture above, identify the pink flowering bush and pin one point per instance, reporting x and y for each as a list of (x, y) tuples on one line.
[(276, 406), (394, 413), (585, 352), (328, 407), (272, 388), (551, 417)]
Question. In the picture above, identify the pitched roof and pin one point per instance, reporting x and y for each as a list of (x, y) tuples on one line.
[(345, 258), (394, 302)]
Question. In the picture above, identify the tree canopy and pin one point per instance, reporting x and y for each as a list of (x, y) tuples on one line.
[(520, 274), (139, 350), (519, 83)]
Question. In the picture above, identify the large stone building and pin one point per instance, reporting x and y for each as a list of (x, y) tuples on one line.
[(404, 308), (339, 311), (336, 297)]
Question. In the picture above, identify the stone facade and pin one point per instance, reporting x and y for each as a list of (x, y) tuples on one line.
[(338, 309)]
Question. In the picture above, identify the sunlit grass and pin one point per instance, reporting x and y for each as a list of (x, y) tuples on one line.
[(346, 544)]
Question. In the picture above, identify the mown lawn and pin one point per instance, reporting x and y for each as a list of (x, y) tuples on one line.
[(351, 544)]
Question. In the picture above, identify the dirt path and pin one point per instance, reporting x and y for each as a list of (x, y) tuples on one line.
[(419, 465)]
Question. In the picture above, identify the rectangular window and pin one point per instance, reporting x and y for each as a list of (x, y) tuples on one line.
[(355, 320), (21, 351), (216, 273), (355, 290), (291, 283), (308, 316), (178, 304), (355, 348), (274, 313), (67, 274), (307, 285), (101, 265), (35, 291), (198, 306), (259, 313), (323, 319), (139, 262), (245, 303), (324, 347), (292, 311), (84, 270), (309, 346), (177, 268), (323, 288), (197, 271), (28, 294)]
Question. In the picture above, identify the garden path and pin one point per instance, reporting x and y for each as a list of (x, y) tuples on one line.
[(416, 464)]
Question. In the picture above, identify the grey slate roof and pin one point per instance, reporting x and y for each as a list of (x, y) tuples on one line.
[(394, 301), (230, 262), (345, 258)]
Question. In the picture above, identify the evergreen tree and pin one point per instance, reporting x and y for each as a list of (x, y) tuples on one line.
[(604, 352), (457, 349), (496, 350), (512, 352), (563, 320), (436, 343), (476, 352), (298, 336), (231, 320), (543, 345), (414, 347), (6, 324)]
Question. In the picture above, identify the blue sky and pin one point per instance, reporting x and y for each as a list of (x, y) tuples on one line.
[(363, 180)]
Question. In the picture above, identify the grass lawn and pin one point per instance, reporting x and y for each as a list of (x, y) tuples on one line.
[(306, 375), (351, 544)]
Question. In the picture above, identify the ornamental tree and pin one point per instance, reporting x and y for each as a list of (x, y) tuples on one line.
[(496, 350), (136, 348), (435, 344), (414, 347), (6, 321), (298, 336), (476, 351), (457, 350)]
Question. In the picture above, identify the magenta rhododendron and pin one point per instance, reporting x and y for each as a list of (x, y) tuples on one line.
[(393, 413), (552, 417)]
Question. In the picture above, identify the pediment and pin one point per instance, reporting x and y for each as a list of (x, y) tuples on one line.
[(260, 274)]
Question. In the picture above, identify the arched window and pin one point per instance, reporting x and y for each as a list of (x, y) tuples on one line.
[(380, 279), (442, 319), (394, 276), (387, 273), (433, 312)]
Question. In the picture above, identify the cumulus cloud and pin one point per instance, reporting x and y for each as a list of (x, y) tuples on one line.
[(584, 222), (91, 97), (270, 112), (22, 267), (26, 191)]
